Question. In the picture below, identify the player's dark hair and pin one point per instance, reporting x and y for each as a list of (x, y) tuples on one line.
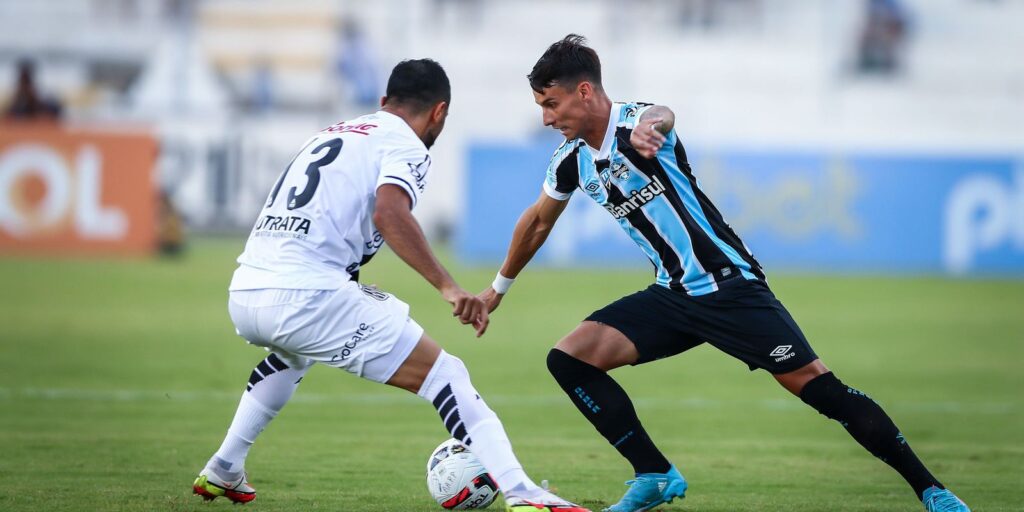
[(419, 84), (567, 63)]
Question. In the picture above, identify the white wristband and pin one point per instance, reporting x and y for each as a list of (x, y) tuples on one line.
[(501, 284)]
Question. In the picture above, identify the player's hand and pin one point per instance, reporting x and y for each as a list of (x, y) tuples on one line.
[(646, 139), (491, 298), (468, 308)]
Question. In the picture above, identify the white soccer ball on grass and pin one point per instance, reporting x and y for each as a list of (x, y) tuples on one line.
[(456, 478)]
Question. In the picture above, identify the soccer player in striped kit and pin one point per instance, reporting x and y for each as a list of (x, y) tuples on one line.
[(708, 287)]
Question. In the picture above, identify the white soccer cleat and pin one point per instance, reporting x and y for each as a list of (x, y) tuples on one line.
[(209, 485), (544, 502)]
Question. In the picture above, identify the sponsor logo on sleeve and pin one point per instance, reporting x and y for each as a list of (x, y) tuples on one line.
[(419, 173)]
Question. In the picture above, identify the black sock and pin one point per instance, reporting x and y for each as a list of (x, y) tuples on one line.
[(605, 404), (869, 425)]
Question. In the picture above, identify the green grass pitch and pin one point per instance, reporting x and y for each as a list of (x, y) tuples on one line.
[(118, 380)]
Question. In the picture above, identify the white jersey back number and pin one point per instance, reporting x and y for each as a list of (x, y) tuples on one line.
[(316, 227)]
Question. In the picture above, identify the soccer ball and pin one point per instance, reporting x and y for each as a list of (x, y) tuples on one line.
[(457, 480)]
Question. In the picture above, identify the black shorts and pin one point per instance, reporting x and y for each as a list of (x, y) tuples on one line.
[(743, 319)]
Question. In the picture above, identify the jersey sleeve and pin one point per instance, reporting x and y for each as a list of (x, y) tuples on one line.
[(563, 174), (407, 166), (631, 112), (629, 116)]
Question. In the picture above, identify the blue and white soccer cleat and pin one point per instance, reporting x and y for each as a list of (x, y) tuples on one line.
[(649, 490), (942, 500)]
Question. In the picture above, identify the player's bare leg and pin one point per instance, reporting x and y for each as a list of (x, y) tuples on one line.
[(865, 420), (442, 379), (580, 362), (795, 380), (599, 345), (411, 374)]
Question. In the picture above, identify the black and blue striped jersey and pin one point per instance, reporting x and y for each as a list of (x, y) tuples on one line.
[(657, 202)]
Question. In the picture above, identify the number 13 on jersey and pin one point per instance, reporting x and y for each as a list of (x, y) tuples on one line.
[(298, 199)]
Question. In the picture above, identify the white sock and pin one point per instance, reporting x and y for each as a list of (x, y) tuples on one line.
[(270, 386), (469, 420)]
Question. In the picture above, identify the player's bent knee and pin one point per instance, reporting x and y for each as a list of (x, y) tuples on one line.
[(458, 368), (573, 344), (417, 366), (568, 370), (599, 345), (556, 362), (796, 380), (445, 370)]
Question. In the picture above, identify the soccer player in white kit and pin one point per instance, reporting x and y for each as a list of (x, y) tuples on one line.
[(350, 189)]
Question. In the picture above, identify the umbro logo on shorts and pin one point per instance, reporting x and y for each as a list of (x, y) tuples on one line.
[(782, 352)]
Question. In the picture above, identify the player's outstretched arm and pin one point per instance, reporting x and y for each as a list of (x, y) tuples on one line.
[(531, 231), (649, 133), (393, 218)]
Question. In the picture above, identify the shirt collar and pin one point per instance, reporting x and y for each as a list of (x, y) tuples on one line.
[(398, 121), (609, 134)]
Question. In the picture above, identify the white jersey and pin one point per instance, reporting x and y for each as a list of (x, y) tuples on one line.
[(316, 227)]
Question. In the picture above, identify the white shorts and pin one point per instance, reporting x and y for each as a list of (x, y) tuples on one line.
[(359, 329)]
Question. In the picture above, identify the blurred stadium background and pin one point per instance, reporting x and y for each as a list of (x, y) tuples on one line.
[(870, 152), (813, 124)]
